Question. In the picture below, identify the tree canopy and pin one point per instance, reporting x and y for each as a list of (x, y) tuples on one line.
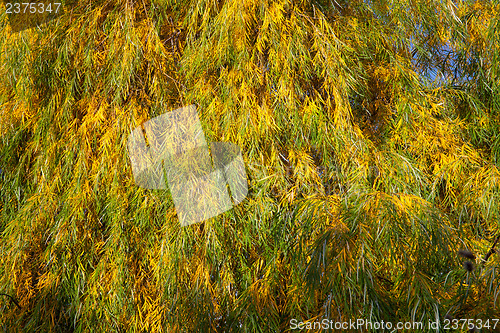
[(369, 133)]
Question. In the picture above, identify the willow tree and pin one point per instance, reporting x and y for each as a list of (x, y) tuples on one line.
[(369, 132)]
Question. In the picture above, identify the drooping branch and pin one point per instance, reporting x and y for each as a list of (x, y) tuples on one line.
[(12, 300), (491, 251), (385, 280)]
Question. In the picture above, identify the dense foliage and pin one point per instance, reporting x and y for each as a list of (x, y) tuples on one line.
[(369, 132)]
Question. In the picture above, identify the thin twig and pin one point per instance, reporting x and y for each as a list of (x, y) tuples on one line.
[(384, 279), (491, 251), (12, 299)]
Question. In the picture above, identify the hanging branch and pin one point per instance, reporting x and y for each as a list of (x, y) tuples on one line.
[(491, 251), (12, 300)]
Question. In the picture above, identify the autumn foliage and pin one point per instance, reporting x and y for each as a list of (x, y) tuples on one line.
[(370, 136)]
